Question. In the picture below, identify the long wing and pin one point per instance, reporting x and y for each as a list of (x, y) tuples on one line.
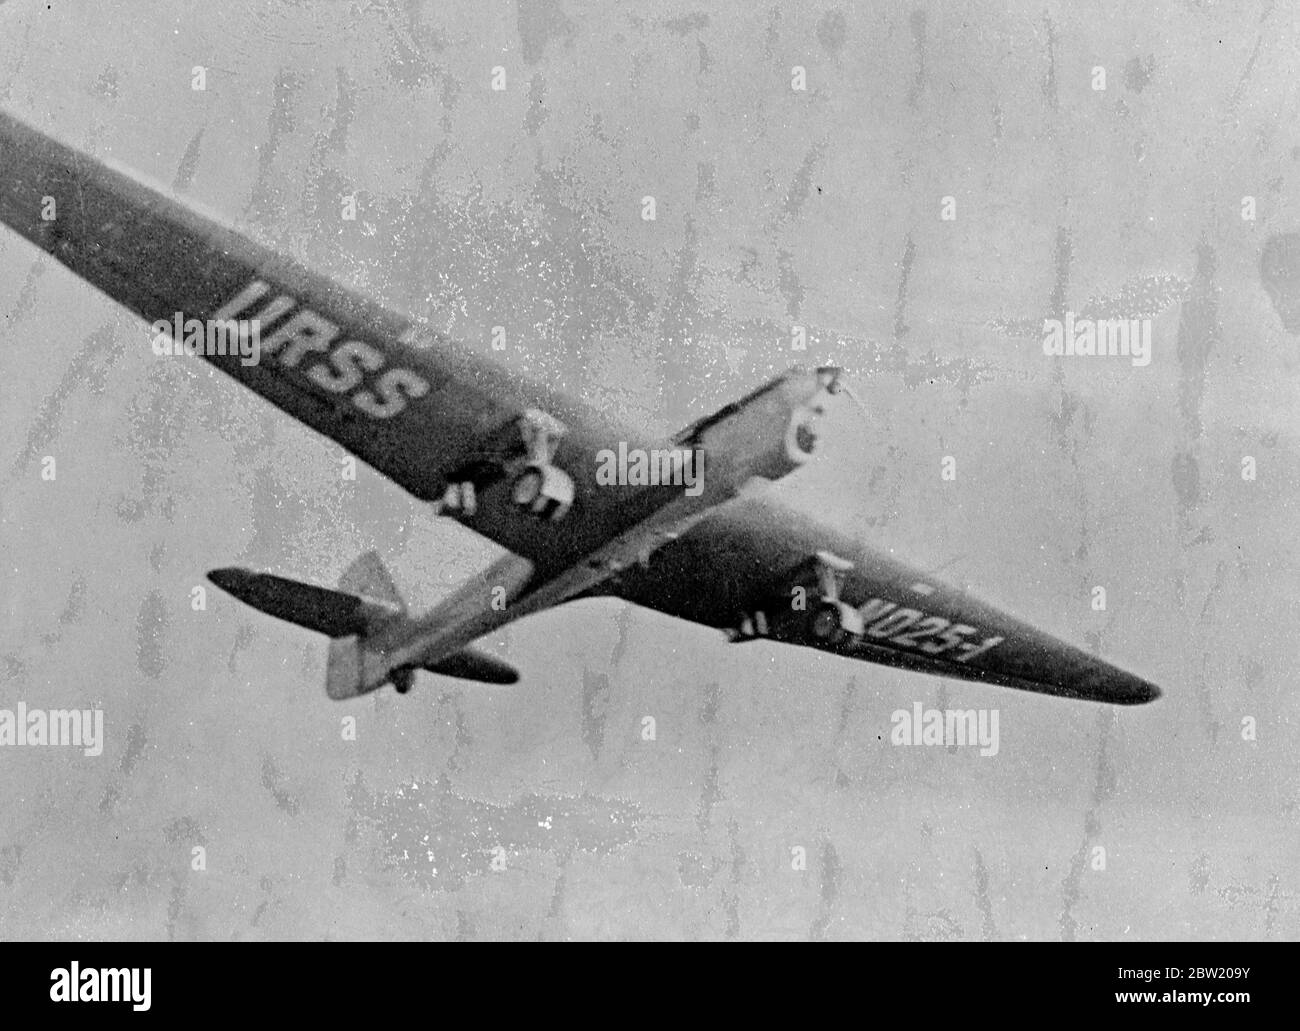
[(413, 404), (751, 555)]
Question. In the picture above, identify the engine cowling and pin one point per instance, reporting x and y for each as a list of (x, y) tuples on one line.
[(773, 431)]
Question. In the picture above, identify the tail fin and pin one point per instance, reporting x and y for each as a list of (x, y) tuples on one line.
[(366, 601), (346, 671), (368, 577)]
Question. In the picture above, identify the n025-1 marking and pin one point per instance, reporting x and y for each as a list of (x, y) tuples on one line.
[(913, 628)]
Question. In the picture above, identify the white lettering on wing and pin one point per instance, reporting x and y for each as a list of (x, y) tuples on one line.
[(328, 358)]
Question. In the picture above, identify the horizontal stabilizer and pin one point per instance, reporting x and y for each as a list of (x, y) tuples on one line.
[(473, 664), (359, 660), (333, 613)]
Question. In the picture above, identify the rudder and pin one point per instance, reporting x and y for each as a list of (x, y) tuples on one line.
[(369, 577), (345, 668)]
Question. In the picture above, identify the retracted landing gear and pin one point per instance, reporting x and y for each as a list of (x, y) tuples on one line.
[(541, 487), (832, 620)]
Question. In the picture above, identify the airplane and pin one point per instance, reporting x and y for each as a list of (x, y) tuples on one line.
[(519, 463)]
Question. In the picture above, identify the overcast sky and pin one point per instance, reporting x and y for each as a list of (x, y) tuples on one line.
[(775, 207)]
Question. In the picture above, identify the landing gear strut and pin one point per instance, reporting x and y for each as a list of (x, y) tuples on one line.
[(832, 620), (542, 488), (752, 625), (402, 679), (458, 499)]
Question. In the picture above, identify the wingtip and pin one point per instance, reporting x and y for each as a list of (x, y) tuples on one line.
[(230, 578), (1135, 691)]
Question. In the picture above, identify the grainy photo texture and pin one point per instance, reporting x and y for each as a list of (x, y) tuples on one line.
[(554, 470)]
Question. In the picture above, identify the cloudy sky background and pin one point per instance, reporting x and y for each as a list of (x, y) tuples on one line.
[(819, 208)]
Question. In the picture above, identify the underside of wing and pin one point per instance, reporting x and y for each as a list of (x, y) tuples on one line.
[(761, 569), (506, 457), (325, 355), (424, 410)]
